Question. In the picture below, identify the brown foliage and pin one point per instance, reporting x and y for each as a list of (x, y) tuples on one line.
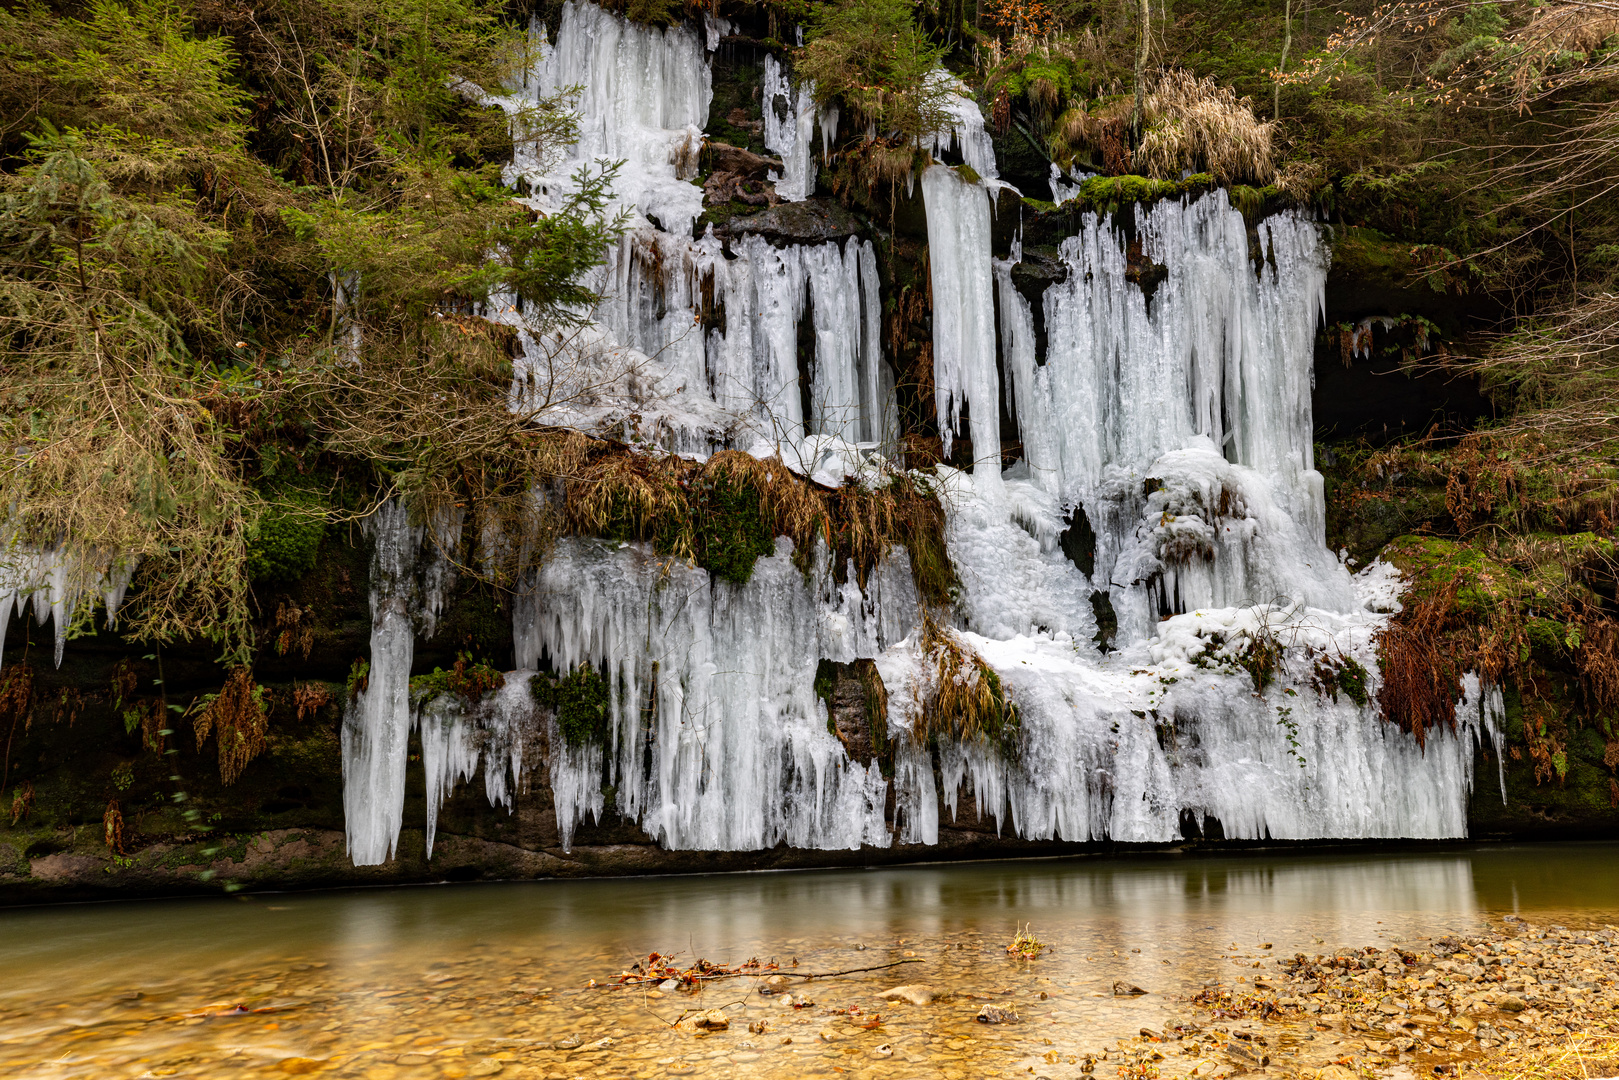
[(235, 716), (621, 493), (1421, 680), (22, 802), (69, 704), (17, 695), (124, 683), (113, 823), (1194, 124), (292, 632), (966, 701), (308, 697)]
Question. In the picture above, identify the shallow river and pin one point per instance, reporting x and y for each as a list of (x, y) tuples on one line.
[(494, 979)]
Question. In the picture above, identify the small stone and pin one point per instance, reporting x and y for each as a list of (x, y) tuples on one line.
[(486, 1067), (1336, 1072), (1509, 1003), (1124, 989), (994, 1014), (756, 1027), (774, 984), (828, 1035), (668, 985), (707, 1020), (883, 1051), (915, 993), (569, 1042)]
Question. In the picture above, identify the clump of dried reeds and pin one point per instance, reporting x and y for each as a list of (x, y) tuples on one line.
[(966, 701), (683, 507), (1421, 682), (1194, 124)]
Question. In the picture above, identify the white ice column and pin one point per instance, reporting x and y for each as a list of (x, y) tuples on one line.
[(964, 371), (376, 731)]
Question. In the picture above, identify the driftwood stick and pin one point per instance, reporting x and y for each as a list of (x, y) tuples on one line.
[(848, 971), (793, 974)]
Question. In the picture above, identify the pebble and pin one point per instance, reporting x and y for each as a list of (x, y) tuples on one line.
[(915, 993)]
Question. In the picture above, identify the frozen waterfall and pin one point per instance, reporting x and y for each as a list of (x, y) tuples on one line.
[(697, 340), (1160, 520)]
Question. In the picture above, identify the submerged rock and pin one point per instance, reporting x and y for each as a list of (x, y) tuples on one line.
[(994, 1014), (915, 993), (1124, 989), (707, 1020)]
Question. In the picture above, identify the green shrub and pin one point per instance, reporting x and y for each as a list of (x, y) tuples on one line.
[(582, 701)]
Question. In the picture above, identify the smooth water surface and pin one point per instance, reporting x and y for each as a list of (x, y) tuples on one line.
[(446, 980)]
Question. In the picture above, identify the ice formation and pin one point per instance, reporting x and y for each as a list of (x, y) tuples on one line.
[(57, 580), (456, 735), (718, 739), (790, 116), (644, 97), (409, 579), (695, 346), (1163, 522)]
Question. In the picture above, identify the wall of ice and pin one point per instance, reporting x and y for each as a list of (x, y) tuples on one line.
[(1164, 491), (718, 739), (696, 346)]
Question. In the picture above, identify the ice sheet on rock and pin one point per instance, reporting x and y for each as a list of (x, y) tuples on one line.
[(1160, 739), (790, 116), (644, 98), (1004, 541), (736, 755)]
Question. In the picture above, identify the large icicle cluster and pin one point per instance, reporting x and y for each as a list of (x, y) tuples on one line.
[(718, 740), (1149, 581), (694, 346), (408, 589)]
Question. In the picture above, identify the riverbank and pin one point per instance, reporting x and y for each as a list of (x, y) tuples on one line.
[(1303, 966)]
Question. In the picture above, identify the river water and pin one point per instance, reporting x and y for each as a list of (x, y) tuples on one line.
[(494, 979)]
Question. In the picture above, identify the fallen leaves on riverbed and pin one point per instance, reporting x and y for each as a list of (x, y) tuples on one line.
[(659, 968)]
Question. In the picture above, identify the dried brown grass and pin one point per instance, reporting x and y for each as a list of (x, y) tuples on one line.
[(308, 698), (112, 823), (1195, 124), (17, 695), (623, 494), (966, 701)]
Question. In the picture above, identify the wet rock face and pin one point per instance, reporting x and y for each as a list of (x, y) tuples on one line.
[(813, 221)]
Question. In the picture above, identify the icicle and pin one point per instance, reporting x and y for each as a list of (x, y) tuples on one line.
[(963, 314), (644, 102), (965, 130), (376, 730), (56, 581), (456, 736), (449, 754)]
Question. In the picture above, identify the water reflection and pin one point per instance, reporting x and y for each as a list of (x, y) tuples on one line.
[(127, 981)]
